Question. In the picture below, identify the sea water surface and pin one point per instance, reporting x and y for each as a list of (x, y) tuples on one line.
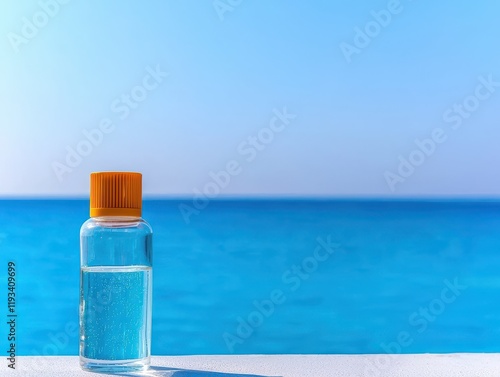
[(276, 276)]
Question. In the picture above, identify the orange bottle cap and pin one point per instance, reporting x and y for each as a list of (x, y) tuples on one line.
[(115, 194)]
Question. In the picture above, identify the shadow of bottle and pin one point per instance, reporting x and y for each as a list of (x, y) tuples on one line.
[(175, 372)]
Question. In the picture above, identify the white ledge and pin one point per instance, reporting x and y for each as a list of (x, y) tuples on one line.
[(421, 365)]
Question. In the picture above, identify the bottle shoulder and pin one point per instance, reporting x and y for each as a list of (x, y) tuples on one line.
[(103, 224)]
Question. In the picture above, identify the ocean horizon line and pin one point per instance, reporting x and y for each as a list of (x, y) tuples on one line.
[(229, 198)]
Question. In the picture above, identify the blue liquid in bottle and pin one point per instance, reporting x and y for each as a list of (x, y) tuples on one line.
[(115, 312)]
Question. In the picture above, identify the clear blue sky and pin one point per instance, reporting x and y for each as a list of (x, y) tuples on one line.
[(64, 69)]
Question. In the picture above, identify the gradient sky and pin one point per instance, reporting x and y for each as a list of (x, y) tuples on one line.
[(229, 72)]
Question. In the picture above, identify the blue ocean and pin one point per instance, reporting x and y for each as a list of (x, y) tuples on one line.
[(275, 276)]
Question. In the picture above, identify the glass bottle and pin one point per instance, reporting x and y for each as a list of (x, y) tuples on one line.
[(115, 276)]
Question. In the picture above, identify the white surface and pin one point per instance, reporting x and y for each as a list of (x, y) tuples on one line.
[(427, 365)]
